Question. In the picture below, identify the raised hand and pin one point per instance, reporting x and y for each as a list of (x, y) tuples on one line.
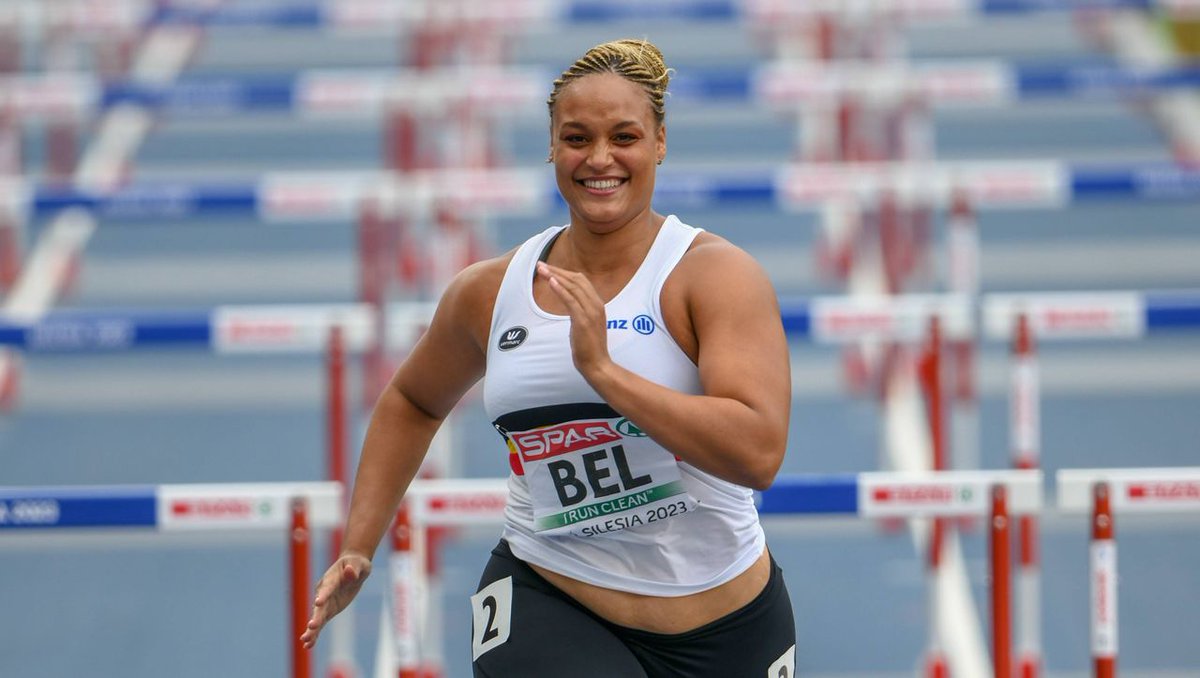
[(589, 329)]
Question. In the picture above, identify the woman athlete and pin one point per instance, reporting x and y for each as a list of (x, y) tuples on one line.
[(637, 371)]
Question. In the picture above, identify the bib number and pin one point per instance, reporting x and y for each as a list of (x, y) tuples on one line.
[(785, 666), (491, 616), (600, 491), (592, 475)]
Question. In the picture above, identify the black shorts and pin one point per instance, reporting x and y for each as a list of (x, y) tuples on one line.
[(525, 627)]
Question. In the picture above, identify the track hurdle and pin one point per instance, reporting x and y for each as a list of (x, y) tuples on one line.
[(1024, 403), (781, 14), (873, 495), (99, 17), (1105, 493), (299, 197), (53, 262), (304, 328), (504, 91), (299, 580), (292, 509)]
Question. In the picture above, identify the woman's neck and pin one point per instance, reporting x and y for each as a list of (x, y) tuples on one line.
[(605, 252)]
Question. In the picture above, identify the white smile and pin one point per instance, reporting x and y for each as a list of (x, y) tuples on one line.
[(602, 184)]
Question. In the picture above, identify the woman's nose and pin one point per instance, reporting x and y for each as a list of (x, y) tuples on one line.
[(600, 156)]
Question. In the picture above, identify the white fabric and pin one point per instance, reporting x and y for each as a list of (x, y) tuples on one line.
[(643, 522)]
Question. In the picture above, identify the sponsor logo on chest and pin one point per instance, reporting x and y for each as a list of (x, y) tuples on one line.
[(642, 324), (553, 441)]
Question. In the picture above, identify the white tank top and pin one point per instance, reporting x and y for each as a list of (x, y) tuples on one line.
[(590, 495)]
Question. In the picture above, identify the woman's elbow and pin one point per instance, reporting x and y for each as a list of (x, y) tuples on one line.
[(761, 473), (762, 480)]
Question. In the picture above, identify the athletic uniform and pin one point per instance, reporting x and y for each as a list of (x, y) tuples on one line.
[(595, 499)]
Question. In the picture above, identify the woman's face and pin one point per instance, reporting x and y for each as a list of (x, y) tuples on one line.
[(605, 145)]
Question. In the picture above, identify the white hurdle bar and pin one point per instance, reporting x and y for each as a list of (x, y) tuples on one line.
[(98, 17), (1106, 492), (476, 502), (828, 320), (168, 508), (294, 509), (1132, 490)]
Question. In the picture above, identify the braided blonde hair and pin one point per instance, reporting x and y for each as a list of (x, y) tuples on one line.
[(638, 61)]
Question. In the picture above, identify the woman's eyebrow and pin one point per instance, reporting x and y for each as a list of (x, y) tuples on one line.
[(620, 125)]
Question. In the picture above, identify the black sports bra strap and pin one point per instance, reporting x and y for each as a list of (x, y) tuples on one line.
[(546, 250)]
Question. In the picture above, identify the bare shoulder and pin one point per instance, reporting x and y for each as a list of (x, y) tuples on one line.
[(470, 297), (716, 284), (480, 281), (713, 266), (708, 244)]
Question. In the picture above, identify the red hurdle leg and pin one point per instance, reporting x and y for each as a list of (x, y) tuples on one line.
[(1104, 585), (300, 550), (935, 659), (1025, 437), (404, 620), (1001, 581)]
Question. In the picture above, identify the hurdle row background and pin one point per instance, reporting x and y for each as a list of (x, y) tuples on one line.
[(167, 149), (293, 511)]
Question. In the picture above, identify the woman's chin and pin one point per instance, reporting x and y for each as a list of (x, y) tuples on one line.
[(602, 215)]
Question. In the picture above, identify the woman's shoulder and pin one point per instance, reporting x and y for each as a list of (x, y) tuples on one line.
[(466, 305), (479, 282), (714, 266), (709, 249)]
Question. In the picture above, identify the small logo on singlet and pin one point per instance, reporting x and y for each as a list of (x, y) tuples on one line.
[(644, 324), (512, 338), (628, 428)]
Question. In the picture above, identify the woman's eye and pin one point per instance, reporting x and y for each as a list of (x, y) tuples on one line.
[(575, 139), (625, 138)]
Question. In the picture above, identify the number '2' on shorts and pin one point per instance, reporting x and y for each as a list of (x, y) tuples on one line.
[(525, 627)]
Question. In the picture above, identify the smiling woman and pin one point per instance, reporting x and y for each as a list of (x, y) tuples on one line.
[(637, 370), (605, 144), (607, 130)]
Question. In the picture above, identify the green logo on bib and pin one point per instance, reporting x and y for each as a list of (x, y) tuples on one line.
[(627, 429)]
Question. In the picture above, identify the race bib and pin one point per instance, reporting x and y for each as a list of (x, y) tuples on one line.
[(591, 471)]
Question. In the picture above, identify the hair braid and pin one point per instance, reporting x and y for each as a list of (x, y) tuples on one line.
[(638, 61)]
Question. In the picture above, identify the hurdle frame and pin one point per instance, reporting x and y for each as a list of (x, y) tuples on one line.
[(292, 510), (1105, 493), (909, 495)]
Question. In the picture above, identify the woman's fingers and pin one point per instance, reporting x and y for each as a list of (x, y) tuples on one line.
[(318, 618), (573, 288), (336, 589), (589, 334)]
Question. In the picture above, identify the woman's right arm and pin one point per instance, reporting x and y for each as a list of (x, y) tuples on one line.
[(445, 362)]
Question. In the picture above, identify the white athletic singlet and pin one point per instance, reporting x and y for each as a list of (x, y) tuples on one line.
[(590, 495)]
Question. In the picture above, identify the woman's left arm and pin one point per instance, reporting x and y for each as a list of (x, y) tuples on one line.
[(737, 428)]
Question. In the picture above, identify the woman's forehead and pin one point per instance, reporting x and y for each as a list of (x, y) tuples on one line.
[(601, 96)]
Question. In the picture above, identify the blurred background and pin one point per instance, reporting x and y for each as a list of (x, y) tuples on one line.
[(188, 189)]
